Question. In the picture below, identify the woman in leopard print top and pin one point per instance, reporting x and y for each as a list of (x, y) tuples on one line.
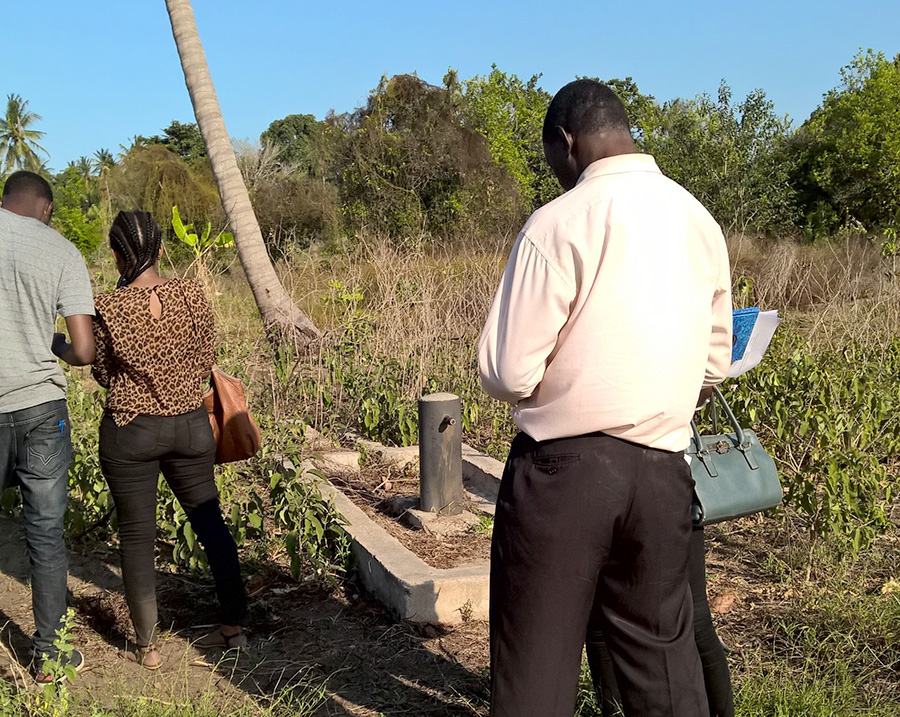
[(156, 365), (154, 347)]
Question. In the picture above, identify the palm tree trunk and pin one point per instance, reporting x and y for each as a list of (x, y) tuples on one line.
[(275, 305)]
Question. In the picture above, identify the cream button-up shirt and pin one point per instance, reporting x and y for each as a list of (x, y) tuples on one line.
[(614, 310)]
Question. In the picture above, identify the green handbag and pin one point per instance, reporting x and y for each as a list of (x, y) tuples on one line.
[(733, 475)]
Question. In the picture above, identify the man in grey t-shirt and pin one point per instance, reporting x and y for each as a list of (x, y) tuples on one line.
[(41, 275)]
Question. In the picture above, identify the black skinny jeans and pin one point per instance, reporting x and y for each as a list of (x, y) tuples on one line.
[(183, 448), (716, 677)]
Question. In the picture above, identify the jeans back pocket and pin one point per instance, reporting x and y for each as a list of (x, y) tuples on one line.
[(48, 448)]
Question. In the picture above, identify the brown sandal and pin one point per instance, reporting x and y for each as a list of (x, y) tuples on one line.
[(147, 657)]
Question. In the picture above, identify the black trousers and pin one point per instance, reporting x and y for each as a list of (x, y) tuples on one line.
[(592, 525), (716, 676), (183, 448)]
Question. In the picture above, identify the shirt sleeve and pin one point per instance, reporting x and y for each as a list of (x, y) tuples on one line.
[(75, 296), (102, 368), (720, 342), (530, 308)]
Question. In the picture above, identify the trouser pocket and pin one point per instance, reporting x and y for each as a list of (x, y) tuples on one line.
[(48, 446)]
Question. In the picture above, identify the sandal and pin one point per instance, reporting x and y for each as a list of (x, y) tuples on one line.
[(217, 638), (147, 657)]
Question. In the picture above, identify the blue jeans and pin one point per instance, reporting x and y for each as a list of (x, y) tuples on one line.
[(35, 451)]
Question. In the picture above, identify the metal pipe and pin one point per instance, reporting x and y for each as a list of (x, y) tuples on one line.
[(440, 454)]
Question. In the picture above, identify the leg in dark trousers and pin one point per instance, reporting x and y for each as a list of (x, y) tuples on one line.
[(128, 460), (189, 471), (584, 521), (603, 674), (221, 554), (716, 676), (132, 456), (35, 452)]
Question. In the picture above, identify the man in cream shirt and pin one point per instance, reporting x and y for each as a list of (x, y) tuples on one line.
[(612, 316)]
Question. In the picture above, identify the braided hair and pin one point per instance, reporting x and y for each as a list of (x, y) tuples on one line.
[(136, 237)]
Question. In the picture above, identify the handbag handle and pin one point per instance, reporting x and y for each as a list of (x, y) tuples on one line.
[(729, 414), (738, 431), (704, 453)]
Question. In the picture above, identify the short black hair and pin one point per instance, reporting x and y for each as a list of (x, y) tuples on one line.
[(24, 183), (585, 107)]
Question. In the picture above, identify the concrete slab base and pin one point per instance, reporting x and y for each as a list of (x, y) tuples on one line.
[(338, 461), (399, 579), (443, 525)]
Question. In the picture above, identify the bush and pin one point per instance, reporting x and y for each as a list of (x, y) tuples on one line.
[(296, 211)]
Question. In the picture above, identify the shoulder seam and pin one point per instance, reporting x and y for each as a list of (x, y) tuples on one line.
[(556, 269)]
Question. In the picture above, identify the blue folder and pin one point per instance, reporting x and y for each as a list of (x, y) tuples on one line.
[(744, 320)]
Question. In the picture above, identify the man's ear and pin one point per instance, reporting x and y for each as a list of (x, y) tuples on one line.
[(568, 139)]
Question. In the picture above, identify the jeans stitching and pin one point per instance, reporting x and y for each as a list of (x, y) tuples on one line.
[(45, 461)]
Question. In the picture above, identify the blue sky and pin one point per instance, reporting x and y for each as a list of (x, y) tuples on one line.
[(101, 71)]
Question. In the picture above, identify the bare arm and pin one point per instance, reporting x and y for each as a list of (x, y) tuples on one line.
[(80, 352)]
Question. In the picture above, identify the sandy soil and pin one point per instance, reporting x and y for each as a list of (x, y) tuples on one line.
[(300, 634)]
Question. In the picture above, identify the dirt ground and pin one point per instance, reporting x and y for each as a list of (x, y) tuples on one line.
[(300, 634), (305, 634)]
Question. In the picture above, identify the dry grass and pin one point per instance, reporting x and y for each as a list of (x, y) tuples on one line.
[(410, 317), (418, 309), (835, 293)]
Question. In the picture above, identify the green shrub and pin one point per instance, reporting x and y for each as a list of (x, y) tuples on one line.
[(828, 417)]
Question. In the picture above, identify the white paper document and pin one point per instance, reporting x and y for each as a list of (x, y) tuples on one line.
[(763, 330)]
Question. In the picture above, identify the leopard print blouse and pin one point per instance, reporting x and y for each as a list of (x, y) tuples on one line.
[(153, 366)]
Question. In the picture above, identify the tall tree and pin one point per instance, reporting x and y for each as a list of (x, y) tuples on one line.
[(726, 153), (293, 137), (275, 305), (509, 113), (18, 142), (104, 160), (848, 151)]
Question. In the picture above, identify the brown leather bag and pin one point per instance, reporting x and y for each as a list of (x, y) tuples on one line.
[(236, 433)]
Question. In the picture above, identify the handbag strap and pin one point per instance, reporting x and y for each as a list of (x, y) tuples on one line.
[(738, 431), (743, 443), (729, 414)]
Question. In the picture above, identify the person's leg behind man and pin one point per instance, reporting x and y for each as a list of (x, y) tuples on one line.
[(643, 600), (716, 675), (557, 509), (603, 675), (42, 467)]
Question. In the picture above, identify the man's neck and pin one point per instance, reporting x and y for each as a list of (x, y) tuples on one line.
[(602, 145), (29, 207)]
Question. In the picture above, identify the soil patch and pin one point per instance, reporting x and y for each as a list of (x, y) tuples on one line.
[(378, 489), (304, 635)]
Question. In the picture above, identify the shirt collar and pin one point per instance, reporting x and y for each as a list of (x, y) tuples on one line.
[(618, 164)]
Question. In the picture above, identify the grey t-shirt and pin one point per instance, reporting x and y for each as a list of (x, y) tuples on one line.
[(42, 274)]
